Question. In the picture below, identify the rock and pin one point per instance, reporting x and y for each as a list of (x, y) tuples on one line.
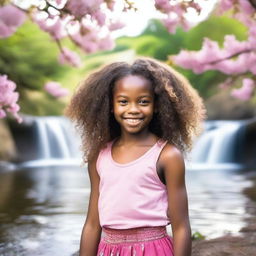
[(7, 166), (223, 106), (7, 145)]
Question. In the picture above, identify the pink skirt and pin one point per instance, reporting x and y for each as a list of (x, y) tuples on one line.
[(146, 241)]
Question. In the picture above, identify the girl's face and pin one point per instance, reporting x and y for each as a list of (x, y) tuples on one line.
[(133, 103)]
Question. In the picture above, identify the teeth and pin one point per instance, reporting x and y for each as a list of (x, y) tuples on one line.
[(132, 120)]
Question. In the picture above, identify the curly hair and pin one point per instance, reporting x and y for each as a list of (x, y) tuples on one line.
[(180, 110)]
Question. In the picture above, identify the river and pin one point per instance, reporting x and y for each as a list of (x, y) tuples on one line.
[(42, 210)]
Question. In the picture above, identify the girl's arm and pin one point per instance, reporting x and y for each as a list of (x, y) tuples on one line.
[(91, 231), (172, 162)]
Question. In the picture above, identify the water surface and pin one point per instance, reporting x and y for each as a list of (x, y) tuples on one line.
[(42, 210)]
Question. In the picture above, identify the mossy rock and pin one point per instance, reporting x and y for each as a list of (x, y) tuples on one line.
[(8, 149)]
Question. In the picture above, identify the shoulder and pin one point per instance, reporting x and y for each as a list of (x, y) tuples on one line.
[(171, 159), (170, 153)]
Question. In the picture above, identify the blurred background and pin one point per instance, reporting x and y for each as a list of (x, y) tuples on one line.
[(48, 47)]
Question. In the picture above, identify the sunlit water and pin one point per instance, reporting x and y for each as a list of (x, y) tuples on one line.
[(42, 210)]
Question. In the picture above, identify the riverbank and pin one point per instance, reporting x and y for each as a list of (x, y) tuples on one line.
[(244, 244)]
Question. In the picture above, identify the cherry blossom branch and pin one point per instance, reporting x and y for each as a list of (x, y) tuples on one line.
[(253, 3), (231, 56)]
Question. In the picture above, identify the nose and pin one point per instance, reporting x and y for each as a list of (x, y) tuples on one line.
[(133, 109)]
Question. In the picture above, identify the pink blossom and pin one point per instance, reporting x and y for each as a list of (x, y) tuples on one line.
[(100, 17), (176, 11), (246, 91), (185, 24), (5, 31), (212, 57), (252, 36), (200, 61), (9, 24), (55, 89), (246, 7), (233, 46), (18, 118), (88, 42), (251, 62), (81, 7), (90, 47), (225, 5), (239, 65), (175, 18), (2, 113), (210, 52), (106, 43), (14, 108), (163, 5), (60, 2), (171, 23), (116, 25), (253, 69), (69, 57), (185, 59), (245, 19), (227, 67), (8, 98), (55, 27)]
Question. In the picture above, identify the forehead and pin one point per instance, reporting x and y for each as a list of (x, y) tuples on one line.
[(133, 83)]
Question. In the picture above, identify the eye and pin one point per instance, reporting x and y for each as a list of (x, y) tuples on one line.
[(144, 102), (122, 102)]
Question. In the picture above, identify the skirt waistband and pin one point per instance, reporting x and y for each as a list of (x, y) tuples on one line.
[(133, 235)]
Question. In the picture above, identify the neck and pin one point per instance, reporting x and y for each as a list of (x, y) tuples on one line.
[(137, 138)]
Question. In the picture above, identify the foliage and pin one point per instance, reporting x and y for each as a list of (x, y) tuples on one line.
[(88, 24), (156, 41), (234, 56), (33, 57), (198, 236)]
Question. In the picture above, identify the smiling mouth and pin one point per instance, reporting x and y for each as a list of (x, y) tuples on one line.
[(133, 121)]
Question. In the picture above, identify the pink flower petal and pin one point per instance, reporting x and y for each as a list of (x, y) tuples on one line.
[(69, 57), (246, 91), (55, 89), (9, 24)]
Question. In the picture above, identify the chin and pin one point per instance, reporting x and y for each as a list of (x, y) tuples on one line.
[(134, 131)]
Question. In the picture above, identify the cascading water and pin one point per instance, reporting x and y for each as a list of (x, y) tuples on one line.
[(57, 141), (219, 144), (56, 138)]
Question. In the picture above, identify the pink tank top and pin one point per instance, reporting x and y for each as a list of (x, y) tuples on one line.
[(131, 194)]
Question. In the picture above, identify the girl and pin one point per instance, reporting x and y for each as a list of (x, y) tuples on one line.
[(136, 121)]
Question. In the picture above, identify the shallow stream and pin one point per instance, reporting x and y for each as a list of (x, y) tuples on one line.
[(42, 210)]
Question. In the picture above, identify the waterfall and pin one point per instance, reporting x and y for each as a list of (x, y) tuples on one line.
[(220, 144), (56, 140)]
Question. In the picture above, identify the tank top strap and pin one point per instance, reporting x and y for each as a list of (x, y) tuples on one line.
[(103, 153), (158, 149), (151, 155)]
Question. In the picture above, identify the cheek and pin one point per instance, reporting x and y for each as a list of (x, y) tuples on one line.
[(117, 111), (149, 112), (114, 107)]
